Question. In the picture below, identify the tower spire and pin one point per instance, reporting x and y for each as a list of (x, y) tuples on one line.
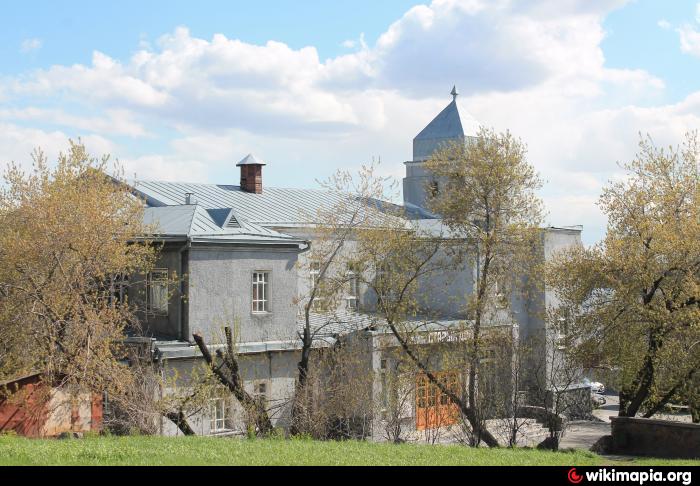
[(454, 93)]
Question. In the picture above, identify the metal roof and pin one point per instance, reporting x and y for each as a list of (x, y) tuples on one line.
[(276, 207), (250, 159), (451, 122), (326, 329), (214, 224)]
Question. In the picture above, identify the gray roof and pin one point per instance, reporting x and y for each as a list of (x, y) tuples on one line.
[(250, 159), (451, 122), (326, 330), (215, 224), (275, 207)]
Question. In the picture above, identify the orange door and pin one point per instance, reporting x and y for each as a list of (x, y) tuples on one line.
[(434, 408)]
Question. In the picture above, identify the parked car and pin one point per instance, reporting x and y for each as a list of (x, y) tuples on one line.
[(596, 386), (598, 399)]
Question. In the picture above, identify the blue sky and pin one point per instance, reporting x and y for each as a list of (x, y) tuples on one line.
[(183, 90)]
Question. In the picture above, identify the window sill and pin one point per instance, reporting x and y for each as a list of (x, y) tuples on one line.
[(261, 314), (223, 432)]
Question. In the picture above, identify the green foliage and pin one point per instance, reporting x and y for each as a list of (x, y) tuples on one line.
[(145, 450), (634, 298)]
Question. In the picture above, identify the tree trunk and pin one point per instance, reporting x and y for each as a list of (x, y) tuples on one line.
[(179, 419), (645, 380), (303, 372), (232, 380), (471, 417)]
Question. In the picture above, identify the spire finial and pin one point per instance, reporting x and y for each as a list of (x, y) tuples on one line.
[(454, 93)]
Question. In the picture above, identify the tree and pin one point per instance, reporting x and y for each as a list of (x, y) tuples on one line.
[(485, 191), (558, 393), (70, 235), (227, 371), (635, 296), (330, 263)]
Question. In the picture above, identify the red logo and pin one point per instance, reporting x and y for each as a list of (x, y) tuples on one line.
[(574, 477)]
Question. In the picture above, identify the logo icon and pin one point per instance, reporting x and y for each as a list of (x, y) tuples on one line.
[(574, 477)]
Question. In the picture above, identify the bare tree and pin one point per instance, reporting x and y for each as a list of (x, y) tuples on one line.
[(330, 267), (558, 390), (227, 371)]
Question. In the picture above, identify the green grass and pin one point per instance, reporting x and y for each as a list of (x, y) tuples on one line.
[(222, 451)]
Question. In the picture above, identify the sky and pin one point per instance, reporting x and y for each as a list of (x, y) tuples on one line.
[(181, 90)]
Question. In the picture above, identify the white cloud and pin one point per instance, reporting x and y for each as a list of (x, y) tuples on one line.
[(535, 68), (17, 144), (690, 40), (664, 24), (30, 45), (115, 121)]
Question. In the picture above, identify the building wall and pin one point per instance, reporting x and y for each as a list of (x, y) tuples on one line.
[(165, 326), (276, 369), (220, 293), (30, 408)]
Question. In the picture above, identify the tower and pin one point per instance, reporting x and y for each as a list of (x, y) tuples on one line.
[(450, 125)]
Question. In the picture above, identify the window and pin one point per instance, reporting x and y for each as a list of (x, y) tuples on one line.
[(218, 415), (384, 383), (501, 292), (434, 188), (384, 282), (352, 297), (118, 289), (157, 292), (260, 393), (319, 298), (261, 291)]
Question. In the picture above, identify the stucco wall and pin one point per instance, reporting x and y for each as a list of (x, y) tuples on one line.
[(220, 293), (276, 369)]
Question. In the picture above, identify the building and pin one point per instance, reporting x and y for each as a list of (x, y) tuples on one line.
[(240, 247), (32, 408)]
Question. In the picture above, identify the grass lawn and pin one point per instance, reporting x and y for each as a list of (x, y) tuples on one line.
[(223, 451)]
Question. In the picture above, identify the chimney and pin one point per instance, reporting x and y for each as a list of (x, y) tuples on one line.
[(189, 198), (251, 174)]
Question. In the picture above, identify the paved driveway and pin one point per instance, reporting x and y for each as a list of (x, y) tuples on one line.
[(582, 435), (611, 408)]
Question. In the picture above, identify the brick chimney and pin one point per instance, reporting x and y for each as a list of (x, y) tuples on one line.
[(251, 174)]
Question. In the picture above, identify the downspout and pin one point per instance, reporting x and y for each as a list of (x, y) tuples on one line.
[(183, 289), (308, 246)]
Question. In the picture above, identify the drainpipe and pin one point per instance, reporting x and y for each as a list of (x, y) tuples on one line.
[(183, 287), (308, 246)]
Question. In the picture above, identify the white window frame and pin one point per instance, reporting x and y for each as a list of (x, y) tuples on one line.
[(218, 415), (352, 298), (260, 292), (314, 274), (152, 283)]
